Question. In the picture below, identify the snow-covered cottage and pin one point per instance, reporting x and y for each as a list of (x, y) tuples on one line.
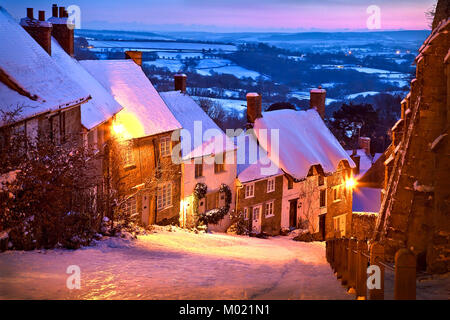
[(317, 181), (208, 161), (150, 180), (259, 187), (56, 98)]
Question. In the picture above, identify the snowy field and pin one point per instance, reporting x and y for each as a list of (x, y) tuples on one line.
[(167, 45), (175, 265)]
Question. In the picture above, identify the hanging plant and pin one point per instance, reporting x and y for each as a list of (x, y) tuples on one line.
[(215, 215)]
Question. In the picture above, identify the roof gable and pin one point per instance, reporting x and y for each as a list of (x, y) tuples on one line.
[(144, 112), (34, 72), (192, 118), (304, 141)]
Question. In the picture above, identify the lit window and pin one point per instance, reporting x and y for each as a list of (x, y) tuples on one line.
[(323, 197), (164, 196), (269, 209), (249, 190), (128, 156), (271, 185), (246, 214), (130, 206), (165, 147)]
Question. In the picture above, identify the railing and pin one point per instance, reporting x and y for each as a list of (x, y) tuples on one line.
[(351, 259)]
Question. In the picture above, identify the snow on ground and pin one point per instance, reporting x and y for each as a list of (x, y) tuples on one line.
[(175, 265)]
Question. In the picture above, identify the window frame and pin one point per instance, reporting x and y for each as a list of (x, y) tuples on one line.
[(128, 155), (246, 215), (269, 204), (337, 194), (198, 172), (247, 195), (128, 207), (167, 143), (324, 193), (270, 181), (165, 193)]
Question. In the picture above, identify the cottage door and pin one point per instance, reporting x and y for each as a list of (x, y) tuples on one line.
[(256, 219), (145, 208), (293, 213)]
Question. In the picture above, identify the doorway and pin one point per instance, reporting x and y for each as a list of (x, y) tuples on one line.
[(293, 219)]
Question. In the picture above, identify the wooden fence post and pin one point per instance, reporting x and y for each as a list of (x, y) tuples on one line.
[(351, 263), (361, 269), (405, 275), (344, 279), (377, 256), (332, 242), (339, 259)]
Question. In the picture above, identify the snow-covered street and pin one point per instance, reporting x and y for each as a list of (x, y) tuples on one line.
[(175, 265)]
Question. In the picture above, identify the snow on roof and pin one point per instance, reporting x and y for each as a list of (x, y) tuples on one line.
[(188, 112), (144, 113), (366, 199), (365, 161), (304, 141), (33, 71), (253, 162), (102, 106)]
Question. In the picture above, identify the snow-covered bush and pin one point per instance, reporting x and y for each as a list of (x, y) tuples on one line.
[(53, 199)]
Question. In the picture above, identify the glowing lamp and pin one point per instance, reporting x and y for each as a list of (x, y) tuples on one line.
[(350, 183)]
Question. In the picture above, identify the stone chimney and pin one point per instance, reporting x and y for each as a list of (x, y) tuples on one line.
[(180, 82), (364, 143), (40, 30), (136, 56), (55, 11), (357, 160), (317, 100), (62, 31), (254, 102)]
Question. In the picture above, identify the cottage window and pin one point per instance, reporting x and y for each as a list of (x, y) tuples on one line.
[(323, 197), (271, 185), (165, 147), (269, 209), (212, 200), (250, 190), (128, 157), (337, 193), (198, 170), (246, 217), (339, 224), (219, 164), (164, 196), (130, 206), (321, 180), (290, 183)]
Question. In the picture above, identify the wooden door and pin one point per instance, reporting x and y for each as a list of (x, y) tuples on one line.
[(293, 213)]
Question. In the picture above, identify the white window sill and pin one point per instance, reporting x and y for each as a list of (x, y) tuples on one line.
[(270, 191), (270, 216)]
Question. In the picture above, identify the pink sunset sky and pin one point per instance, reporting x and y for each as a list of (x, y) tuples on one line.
[(237, 15)]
